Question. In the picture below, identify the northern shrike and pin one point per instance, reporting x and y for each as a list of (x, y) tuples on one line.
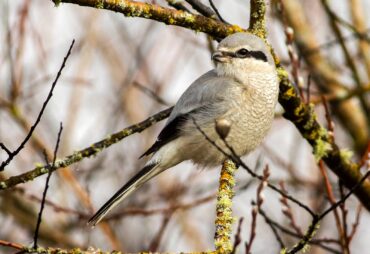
[(242, 90)]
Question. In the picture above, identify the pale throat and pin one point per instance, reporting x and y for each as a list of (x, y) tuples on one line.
[(246, 73)]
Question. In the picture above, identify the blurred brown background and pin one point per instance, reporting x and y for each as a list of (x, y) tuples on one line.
[(116, 66)]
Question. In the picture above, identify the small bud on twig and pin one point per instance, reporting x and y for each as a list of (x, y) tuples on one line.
[(223, 127)]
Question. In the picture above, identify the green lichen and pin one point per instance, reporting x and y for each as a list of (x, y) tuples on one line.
[(346, 155), (43, 170), (189, 18), (311, 121), (39, 165), (299, 111), (282, 73), (3, 185), (306, 248), (57, 3), (321, 149), (122, 5), (100, 5)]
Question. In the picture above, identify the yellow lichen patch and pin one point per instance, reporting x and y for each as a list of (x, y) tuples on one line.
[(321, 149), (100, 5), (224, 219), (312, 120), (299, 111), (282, 73), (346, 155)]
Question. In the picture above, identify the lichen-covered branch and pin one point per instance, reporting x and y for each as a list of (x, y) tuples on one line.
[(257, 21), (85, 153), (224, 218), (326, 77), (304, 118), (199, 23), (24, 249)]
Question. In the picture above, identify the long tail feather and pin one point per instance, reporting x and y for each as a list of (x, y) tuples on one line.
[(145, 174)]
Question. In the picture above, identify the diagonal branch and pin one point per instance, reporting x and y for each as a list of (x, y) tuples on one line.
[(86, 152), (199, 23)]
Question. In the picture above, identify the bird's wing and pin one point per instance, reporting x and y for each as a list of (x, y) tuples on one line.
[(204, 93)]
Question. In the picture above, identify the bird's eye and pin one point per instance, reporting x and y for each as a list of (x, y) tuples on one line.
[(242, 53)]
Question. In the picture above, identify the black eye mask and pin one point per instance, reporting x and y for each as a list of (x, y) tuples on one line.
[(244, 53)]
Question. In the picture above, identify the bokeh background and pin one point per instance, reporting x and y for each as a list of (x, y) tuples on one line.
[(123, 70)]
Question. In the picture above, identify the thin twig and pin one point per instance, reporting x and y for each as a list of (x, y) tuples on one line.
[(274, 226), (153, 246), (238, 238), (288, 212), (38, 119), (217, 12), (150, 93), (39, 218), (202, 8), (255, 208), (345, 197), (355, 224)]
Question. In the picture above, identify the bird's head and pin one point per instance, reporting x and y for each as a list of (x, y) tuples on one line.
[(242, 53)]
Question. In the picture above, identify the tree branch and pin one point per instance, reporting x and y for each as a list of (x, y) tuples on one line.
[(85, 153), (199, 23)]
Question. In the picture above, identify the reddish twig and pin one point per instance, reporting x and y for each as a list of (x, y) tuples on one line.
[(355, 224), (294, 59), (256, 208), (288, 212), (344, 213), (331, 198), (328, 117), (11, 245), (153, 247), (238, 238)]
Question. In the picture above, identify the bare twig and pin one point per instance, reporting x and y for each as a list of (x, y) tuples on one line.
[(39, 218), (178, 5), (217, 12), (288, 212), (331, 198), (150, 93), (274, 226), (255, 208), (153, 247), (355, 224), (38, 119), (238, 238), (202, 8)]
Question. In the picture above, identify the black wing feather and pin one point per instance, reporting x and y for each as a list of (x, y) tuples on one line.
[(170, 132)]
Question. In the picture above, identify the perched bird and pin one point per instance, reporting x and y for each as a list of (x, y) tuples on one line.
[(242, 90)]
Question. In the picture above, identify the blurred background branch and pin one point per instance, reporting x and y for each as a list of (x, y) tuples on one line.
[(123, 70)]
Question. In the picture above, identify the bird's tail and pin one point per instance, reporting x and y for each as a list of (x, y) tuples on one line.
[(145, 174)]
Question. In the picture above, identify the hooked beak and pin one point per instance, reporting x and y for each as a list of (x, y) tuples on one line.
[(220, 57)]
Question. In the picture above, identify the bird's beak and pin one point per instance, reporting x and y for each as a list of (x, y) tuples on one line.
[(220, 57)]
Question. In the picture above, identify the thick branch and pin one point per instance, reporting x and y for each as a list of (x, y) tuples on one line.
[(213, 27), (324, 148), (224, 218), (257, 21)]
